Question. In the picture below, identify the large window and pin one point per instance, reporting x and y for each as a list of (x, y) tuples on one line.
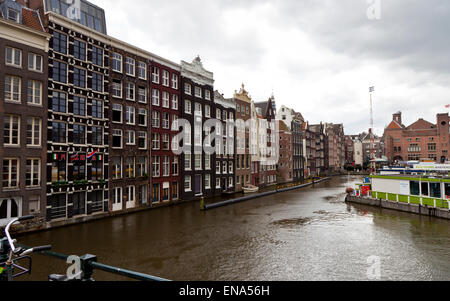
[(79, 77), (11, 132), (166, 120), (155, 141), (97, 108), (59, 102), (117, 88), (79, 106), (130, 116), (79, 167), (79, 203), (155, 75), (142, 117), (142, 141), (97, 135), (97, 167), (174, 102), (79, 50), (116, 167), (117, 113), (166, 166), (130, 91), (142, 95), (187, 162), (10, 173), (79, 134), (13, 86), (165, 100), (59, 169), (175, 166), (60, 42), (13, 57), (117, 62), (156, 167), (97, 82), (34, 126), (155, 119), (129, 167), (58, 203), (175, 81), (35, 62), (425, 190), (130, 65), (131, 137), (97, 56), (59, 132), (142, 70), (117, 138), (435, 190), (155, 97), (141, 166), (60, 72), (165, 78)]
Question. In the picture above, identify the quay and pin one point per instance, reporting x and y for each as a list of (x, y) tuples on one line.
[(258, 195)]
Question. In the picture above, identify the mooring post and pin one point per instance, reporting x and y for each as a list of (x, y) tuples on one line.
[(202, 203)]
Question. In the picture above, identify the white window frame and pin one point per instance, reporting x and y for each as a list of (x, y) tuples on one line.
[(165, 78), (117, 87), (174, 81), (11, 91), (11, 123), (187, 180), (33, 125), (33, 161), (174, 102), (131, 86), (14, 53), (32, 58), (9, 171), (155, 75), (33, 92), (129, 114), (142, 66), (156, 97), (130, 138), (118, 58), (130, 62)]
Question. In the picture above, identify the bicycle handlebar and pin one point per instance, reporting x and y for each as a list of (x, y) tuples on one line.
[(25, 218), (36, 250)]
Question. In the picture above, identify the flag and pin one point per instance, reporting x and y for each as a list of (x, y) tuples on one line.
[(447, 106), (92, 154), (372, 89)]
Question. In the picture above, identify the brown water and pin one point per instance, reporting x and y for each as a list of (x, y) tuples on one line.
[(308, 234)]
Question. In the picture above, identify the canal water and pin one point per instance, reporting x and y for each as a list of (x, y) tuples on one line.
[(308, 234)]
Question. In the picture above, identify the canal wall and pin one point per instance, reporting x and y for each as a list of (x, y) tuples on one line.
[(258, 195), (398, 206)]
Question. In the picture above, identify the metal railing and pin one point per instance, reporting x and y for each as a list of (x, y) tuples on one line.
[(88, 264)]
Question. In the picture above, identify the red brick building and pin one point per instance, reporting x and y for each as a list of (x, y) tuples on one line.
[(285, 162), (422, 140)]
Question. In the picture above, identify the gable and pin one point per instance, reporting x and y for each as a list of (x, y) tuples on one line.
[(421, 125), (393, 126)]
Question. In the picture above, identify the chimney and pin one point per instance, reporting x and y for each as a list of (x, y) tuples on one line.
[(398, 118)]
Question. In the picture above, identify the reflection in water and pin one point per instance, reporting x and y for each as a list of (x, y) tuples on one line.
[(308, 234)]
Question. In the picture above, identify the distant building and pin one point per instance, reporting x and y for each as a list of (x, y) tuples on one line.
[(285, 161), (321, 157), (336, 146), (422, 140)]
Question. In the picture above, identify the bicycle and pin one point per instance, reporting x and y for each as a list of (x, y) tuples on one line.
[(11, 257)]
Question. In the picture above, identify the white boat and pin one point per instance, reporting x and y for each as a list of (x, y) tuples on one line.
[(250, 189)]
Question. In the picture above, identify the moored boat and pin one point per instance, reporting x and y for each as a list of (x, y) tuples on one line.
[(250, 189)]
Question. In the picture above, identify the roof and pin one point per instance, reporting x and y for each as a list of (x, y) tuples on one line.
[(394, 126), (421, 124), (32, 19)]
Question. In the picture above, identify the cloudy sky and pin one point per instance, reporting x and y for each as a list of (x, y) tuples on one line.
[(318, 56)]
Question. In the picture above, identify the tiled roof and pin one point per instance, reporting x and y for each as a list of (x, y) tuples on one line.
[(31, 18)]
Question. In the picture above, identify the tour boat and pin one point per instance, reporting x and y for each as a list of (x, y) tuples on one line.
[(250, 189)]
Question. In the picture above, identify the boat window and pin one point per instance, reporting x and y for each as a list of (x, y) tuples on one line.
[(414, 188), (435, 189), (447, 190), (425, 189)]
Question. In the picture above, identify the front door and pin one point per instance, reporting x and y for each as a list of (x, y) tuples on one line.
[(198, 185)]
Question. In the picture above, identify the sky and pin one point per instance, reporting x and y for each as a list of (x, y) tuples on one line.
[(318, 57)]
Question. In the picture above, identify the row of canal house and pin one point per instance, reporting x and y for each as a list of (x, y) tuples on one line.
[(94, 125)]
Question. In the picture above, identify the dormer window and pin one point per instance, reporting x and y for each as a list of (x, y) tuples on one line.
[(13, 15)]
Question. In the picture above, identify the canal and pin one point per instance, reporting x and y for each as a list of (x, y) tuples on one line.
[(308, 234)]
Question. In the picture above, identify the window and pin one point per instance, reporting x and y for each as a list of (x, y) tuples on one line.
[(97, 56), (142, 70), (218, 167), (218, 114), (131, 136), (166, 120), (198, 109), (130, 194), (34, 205), (79, 167), (155, 97), (60, 72), (79, 134), (207, 95), (175, 169), (79, 106), (117, 88), (155, 75), (224, 169), (142, 117), (129, 167), (59, 42), (59, 102), (218, 183), (207, 162), (97, 109), (174, 190), (117, 62), (33, 132), (116, 167), (198, 162), (166, 166), (425, 191), (155, 141), (187, 183), (175, 124), (12, 130), (130, 66), (79, 77), (155, 119), (13, 57), (207, 111), (97, 167), (58, 167), (10, 173), (58, 204), (431, 147), (166, 142), (79, 50), (230, 167), (174, 102), (117, 138), (142, 95), (188, 107), (117, 198), (79, 203), (130, 91), (198, 92), (35, 62), (13, 15), (208, 181), (130, 116), (435, 190), (174, 81), (117, 113), (187, 162), (142, 141), (141, 166), (165, 78), (156, 166), (187, 135), (59, 133), (165, 100), (188, 89), (97, 135), (198, 135), (13, 87), (97, 82)]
